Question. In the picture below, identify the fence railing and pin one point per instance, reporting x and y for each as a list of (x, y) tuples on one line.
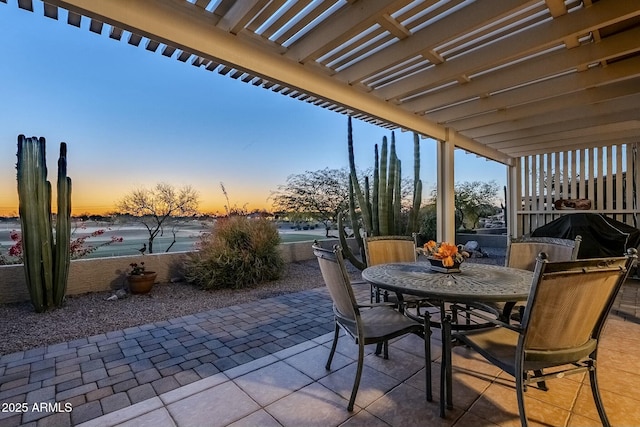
[(607, 176)]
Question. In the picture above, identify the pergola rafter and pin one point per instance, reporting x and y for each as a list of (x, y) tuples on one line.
[(501, 79)]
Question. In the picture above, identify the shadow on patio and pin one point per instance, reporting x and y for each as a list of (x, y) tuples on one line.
[(292, 388)]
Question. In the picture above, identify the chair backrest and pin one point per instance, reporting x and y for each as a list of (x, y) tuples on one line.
[(522, 252), (569, 301), (386, 249), (337, 280)]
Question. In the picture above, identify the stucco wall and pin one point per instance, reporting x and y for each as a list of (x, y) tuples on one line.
[(91, 275), (102, 274)]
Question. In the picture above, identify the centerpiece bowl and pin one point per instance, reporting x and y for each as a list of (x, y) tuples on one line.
[(443, 257), (437, 265)]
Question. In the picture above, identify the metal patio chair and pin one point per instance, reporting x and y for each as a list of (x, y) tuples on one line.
[(366, 324), (565, 313), (387, 249), (522, 254)]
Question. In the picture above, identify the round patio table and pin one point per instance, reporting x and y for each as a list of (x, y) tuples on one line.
[(473, 284)]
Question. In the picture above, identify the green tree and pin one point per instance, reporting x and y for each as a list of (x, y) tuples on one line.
[(474, 200), (428, 222), (156, 207), (319, 195)]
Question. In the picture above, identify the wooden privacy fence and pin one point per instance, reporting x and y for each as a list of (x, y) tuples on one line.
[(607, 176)]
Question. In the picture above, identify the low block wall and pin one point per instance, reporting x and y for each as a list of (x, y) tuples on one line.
[(484, 240), (103, 274), (91, 275)]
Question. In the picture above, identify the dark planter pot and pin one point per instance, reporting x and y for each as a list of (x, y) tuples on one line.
[(141, 283), (436, 265)]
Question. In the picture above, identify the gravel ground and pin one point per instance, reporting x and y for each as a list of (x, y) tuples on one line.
[(91, 314)]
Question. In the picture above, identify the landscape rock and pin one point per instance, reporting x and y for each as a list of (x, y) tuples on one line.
[(473, 248)]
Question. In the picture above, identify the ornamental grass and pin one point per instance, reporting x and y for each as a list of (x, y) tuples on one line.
[(238, 253)]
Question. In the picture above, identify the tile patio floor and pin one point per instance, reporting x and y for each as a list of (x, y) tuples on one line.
[(262, 364)]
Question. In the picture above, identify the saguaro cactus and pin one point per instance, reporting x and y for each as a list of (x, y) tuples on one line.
[(381, 215), (46, 262)]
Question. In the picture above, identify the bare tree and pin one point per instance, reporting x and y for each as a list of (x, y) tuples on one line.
[(320, 195), (155, 207)]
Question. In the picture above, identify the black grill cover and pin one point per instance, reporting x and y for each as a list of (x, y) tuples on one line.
[(601, 236)]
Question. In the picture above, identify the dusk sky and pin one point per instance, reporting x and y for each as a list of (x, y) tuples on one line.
[(133, 118)]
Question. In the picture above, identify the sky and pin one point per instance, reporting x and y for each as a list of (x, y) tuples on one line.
[(133, 118)]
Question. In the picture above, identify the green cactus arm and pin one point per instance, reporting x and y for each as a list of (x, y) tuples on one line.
[(27, 176), (367, 193), (375, 219), (346, 250), (44, 224), (383, 210), (397, 202), (391, 185), (63, 229), (416, 160), (353, 217), (413, 226), (342, 235), (414, 221), (366, 215)]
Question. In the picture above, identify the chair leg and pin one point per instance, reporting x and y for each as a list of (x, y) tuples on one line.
[(427, 356), (378, 349), (383, 347), (356, 382), (333, 347), (449, 387), (505, 316), (597, 398), (445, 368), (520, 394), (541, 384)]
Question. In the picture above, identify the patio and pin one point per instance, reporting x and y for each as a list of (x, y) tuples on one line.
[(543, 78), (263, 364)]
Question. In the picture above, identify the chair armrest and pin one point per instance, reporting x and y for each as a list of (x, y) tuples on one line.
[(486, 318)]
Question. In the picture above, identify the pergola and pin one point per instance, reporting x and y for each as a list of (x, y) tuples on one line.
[(501, 79)]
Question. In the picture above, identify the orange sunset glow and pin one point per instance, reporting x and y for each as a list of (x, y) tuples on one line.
[(133, 119)]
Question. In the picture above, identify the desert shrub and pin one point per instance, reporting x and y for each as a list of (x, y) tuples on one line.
[(238, 253)]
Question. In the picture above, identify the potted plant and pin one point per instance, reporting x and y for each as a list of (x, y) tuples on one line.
[(140, 280), (444, 257)]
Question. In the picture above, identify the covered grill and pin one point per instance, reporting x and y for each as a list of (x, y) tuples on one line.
[(601, 236)]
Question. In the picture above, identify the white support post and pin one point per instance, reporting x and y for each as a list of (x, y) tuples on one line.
[(445, 203), (514, 198)]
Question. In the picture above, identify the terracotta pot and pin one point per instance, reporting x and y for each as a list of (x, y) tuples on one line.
[(141, 283)]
